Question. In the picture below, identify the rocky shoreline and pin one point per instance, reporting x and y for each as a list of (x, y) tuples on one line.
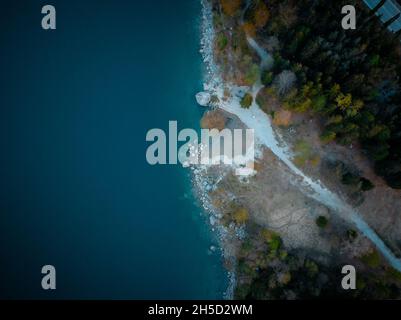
[(203, 181)]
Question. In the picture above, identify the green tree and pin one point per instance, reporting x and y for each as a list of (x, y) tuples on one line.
[(328, 136), (272, 239), (252, 75), (366, 184), (267, 78), (246, 101), (222, 41)]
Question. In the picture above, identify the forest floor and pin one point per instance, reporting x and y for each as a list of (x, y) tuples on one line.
[(379, 206)]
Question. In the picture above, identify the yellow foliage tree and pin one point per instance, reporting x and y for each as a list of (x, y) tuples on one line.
[(268, 235), (344, 101), (241, 216), (230, 7)]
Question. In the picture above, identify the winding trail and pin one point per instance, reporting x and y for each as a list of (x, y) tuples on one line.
[(255, 118)]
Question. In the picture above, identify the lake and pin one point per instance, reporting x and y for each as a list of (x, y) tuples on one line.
[(76, 190)]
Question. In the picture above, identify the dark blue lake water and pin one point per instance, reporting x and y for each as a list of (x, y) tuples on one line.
[(76, 190)]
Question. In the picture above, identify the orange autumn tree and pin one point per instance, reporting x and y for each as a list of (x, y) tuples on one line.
[(214, 119), (230, 7), (249, 29), (261, 15)]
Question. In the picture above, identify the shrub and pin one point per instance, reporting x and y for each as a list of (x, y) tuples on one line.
[(334, 119), (252, 74), (283, 255), (275, 243), (241, 291), (214, 99), (246, 101), (372, 259), (246, 247), (267, 78), (319, 103), (352, 234), (311, 267), (350, 179), (366, 184), (322, 222), (222, 41), (272, 239), (328, 136), (393, 274), (375, 60)]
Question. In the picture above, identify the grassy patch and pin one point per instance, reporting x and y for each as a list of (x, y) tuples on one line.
[(393, 274), (372, 259), (252, 74), (304, 154)]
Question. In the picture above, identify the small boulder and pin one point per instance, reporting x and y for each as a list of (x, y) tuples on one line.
[(203, 98)]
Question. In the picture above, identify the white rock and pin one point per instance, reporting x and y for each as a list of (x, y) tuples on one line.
[(212, 220), (203, 98)]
